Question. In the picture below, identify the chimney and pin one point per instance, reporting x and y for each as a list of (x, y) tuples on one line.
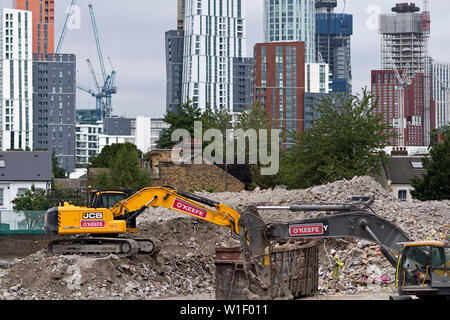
[(399, 152)]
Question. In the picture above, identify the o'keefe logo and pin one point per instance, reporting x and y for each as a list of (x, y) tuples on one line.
[(92, 223), (303, 230), (188, 208)]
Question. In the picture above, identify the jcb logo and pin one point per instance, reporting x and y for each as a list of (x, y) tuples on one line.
[(93, 215)]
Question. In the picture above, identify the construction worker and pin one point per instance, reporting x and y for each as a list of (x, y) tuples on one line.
[(336, 264)]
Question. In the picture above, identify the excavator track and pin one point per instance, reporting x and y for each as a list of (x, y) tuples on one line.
[(95, 246)]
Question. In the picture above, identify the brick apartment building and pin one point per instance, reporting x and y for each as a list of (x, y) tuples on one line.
[(43, 23), (279, 83), (385, 88)]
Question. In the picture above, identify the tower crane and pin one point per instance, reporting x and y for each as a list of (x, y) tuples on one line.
[(104, 92), (64, 30), (403, 83), (98, 95), (426, 30), (108, 88)]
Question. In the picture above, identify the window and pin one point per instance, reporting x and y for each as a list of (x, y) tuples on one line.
[(1, 197), (417, 165), (21, 191), (415, 262), (402, 195)]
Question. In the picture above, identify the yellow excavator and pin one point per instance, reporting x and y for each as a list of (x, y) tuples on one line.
[(422, 268), (113, 213)]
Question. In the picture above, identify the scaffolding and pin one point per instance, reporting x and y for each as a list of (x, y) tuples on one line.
[(402, 36), (404, 46)]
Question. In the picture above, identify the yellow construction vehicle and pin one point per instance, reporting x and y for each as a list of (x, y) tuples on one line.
[(113, 213), (423, 268)]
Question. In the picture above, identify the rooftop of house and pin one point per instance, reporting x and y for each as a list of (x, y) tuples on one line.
[(401, 170), (25, 166)]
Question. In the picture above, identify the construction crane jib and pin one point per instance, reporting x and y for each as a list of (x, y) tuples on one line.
[(403, 83)]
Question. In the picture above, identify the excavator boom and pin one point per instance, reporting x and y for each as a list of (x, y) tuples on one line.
[(180, 201)]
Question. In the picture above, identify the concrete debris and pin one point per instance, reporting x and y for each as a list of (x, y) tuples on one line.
[(185, 266), (109, 277)]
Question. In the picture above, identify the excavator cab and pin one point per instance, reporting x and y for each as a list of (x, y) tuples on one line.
[(424, 269), (106, 199)]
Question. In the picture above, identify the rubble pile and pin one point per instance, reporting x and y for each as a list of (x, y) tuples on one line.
[(43, 277), (185, 265), (365, 267)]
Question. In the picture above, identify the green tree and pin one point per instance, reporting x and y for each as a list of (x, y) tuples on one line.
[(124, 173), (439, 133), (256, 118), (58, 172), (345, 141), (28, 203), (435, 183), (184, 118), (216, 119), (108, 155), (219, 119)]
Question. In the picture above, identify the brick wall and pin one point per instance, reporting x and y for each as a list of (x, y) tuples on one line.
[(196, 177), (189, 177)]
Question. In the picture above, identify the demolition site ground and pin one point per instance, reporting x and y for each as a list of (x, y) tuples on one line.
[(185, 267)]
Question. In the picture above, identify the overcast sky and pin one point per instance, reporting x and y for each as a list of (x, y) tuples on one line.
[(132, 35)]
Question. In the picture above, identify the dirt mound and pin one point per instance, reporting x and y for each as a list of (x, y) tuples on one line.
[(185, 265)]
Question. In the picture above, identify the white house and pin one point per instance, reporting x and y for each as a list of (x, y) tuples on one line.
[(19, 171)]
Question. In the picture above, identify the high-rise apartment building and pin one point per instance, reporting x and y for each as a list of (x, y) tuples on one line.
[(43, 23), (280, 83), (385, 89), (402, 39), (404, 48), (16, 80), (54, 77), (174, 68), (54, 99), (242, 83), (333, 44), (174, 60), (291, 20), (214, 34), (441, 92)]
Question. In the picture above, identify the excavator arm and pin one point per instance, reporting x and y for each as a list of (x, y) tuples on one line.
[(347, 221), (184, 202)]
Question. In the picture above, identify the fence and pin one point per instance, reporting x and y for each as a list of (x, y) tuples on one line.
[(76, 197), (21, 222)]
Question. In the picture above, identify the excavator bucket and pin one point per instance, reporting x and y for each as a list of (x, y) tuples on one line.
[(295, 273)]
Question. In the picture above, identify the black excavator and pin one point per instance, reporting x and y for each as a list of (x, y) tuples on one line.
[(422, 267)]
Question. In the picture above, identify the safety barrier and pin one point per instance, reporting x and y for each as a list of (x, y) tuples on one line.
[(22, 222)]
